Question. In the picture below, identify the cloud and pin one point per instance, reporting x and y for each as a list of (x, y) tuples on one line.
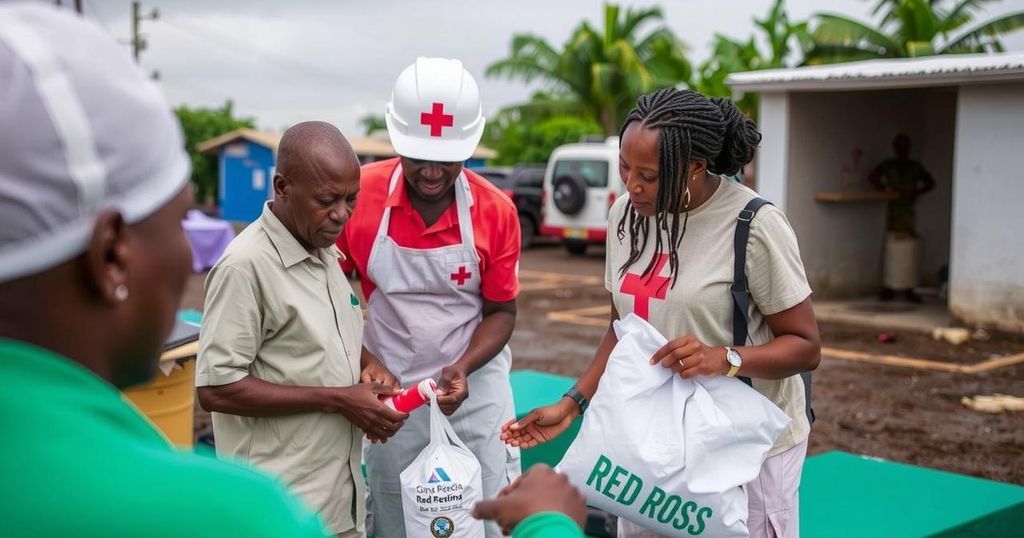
[(284, 62)]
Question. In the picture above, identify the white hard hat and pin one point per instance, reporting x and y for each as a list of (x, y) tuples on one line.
[(434, 113), (81, 130)]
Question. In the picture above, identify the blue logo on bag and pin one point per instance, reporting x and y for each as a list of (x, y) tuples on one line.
[(442, 527), (438, 476)]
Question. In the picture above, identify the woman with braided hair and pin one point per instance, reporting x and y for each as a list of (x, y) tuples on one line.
[(670, 260)]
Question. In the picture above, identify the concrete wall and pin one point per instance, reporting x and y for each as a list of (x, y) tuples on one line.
[(842, 243), (987, 269), (934, 144), (772, 157)]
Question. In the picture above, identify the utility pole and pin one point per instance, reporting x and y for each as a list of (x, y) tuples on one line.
[(78, 5), (138, 41)]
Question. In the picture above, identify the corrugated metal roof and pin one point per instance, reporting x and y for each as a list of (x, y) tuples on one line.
[(363, 146), (263, 138), (878, 74)]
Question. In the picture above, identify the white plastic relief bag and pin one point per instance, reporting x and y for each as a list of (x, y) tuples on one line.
[(440, 486), (667, 453)]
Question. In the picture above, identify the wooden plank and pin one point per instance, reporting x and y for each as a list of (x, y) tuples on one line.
[(597, 316), (183, 351), (923, 364), (854, 196)]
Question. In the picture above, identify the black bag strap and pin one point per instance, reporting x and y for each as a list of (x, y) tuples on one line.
[(741, 294)]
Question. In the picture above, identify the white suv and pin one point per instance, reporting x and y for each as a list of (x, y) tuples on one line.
[(583, 182)]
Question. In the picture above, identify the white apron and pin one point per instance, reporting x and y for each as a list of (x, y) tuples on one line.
[(420, 319)]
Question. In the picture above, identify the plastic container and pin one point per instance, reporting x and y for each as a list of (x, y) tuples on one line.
[(411, 398), (169, 402)]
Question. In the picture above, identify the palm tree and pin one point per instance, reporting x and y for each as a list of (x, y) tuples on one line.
[(910, 28), (600, 73), (733, 56), (372, 123)]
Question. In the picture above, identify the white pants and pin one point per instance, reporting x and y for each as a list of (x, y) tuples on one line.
[(773, 502)]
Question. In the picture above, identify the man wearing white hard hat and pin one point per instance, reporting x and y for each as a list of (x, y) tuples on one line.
[(437, 250), (94, 183)]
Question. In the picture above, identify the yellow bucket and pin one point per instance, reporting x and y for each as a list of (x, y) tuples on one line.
[(169, 402)]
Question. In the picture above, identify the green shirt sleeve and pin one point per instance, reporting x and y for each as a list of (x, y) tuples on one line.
[(547, 525)]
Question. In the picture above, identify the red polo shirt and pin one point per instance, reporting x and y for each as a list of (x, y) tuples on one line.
[(495, 229)]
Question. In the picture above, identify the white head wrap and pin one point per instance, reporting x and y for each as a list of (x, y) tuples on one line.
[(81, 130)]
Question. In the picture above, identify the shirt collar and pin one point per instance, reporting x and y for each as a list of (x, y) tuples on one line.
[(289, 248), (63, 382), (42, 362), (399, 198)]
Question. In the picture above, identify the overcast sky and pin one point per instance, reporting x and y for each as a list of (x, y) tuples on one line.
[(282, 62)]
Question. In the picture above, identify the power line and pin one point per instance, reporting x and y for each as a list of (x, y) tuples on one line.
[(94, 7), (217, 94), (246, 49)]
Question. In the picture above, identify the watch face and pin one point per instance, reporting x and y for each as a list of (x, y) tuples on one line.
[(733, 357)]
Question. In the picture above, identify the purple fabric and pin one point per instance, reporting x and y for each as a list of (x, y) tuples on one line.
[(208, 238)]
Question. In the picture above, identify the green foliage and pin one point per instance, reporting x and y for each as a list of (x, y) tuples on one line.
[(520, 141), (604, 70), (598, 73), (910, 28), (732, 56), (200, 125), (372, 122)]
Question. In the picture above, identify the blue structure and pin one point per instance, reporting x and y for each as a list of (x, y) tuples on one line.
[(475, 162), (246, 172)]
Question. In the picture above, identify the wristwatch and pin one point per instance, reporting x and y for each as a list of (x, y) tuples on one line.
[(581, 401), (735, 361)]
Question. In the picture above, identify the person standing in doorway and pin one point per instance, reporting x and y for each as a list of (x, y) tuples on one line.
[(906, 179)]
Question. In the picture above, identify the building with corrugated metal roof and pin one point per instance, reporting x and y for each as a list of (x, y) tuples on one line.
[(826, 127)]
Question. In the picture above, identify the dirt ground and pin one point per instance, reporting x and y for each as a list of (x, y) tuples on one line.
[(898, 413)]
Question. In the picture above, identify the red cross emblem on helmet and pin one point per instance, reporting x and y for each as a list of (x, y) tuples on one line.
[(436, 119)]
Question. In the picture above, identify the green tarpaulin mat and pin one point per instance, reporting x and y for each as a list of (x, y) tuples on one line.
[(846, 495), (532, 389), (190, 315)]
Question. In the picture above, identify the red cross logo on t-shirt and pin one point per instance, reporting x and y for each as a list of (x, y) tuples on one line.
[(645, 288), (462, 276), (437, 119)]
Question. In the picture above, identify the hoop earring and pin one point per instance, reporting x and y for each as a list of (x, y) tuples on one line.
[(686, 198)]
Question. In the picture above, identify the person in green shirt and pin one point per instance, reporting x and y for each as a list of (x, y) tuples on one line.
[(539, 504), (94, 184), (906, 179)]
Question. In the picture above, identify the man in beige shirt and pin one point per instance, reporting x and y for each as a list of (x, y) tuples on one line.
[(280, 363)]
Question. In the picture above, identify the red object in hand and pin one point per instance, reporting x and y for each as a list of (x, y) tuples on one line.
[(412, 397)]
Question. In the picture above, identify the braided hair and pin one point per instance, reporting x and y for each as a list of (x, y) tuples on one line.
[(693, 127)]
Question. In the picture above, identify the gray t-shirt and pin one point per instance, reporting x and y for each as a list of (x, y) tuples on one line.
[(700, 303)]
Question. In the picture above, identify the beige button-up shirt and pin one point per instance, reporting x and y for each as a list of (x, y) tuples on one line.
[(278, 313)]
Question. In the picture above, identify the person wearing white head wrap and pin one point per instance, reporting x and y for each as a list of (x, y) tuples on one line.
[(84, 133), (93, 263)]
